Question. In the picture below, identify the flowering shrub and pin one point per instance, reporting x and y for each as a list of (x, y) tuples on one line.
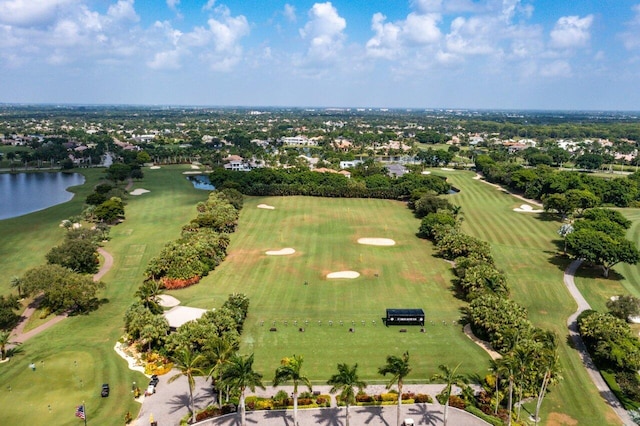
[(176, 283), (423, 398)]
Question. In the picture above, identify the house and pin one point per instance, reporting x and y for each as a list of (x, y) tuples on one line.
[(349, 164), (397, 170), (299, 141)]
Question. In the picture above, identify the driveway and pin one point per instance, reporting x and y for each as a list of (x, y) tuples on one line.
[(171, 402)]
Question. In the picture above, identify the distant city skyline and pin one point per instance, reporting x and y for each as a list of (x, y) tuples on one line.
[(467, 54)]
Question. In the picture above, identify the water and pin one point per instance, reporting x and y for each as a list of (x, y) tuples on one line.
[(22, 193), (201, 182)]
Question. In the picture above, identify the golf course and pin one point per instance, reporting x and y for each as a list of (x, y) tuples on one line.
[(296, 307)]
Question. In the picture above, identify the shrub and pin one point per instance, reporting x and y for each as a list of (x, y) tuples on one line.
[(305, 401), (422, 398), (457, 402), (207, 413), (264, 404), (629, 384), (389, 397), (363, 397), (323, 400), (408, 395)]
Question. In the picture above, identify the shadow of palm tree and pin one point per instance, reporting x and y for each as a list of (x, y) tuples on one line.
[(280, 414), (374, 412), (329, 416), (425, 416), (183, 401)]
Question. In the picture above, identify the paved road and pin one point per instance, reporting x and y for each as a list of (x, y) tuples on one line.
[(171, 402), (582, 349)]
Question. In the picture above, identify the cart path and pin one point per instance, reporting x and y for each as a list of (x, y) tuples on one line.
[(19, 336), (579, 345)]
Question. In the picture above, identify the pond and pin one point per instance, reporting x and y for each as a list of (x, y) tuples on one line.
[(201, 182), (22, 193)]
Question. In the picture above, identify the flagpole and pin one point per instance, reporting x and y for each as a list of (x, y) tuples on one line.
[(84, 408)]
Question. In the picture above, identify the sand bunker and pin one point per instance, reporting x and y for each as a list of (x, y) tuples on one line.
[(139, 191), (376, 241), (282, 252), (192, 173), (446, 169), (526, 208), (265, 206), (193, 166), (154, 167), (344, 274), (168, 301), (426, 172)]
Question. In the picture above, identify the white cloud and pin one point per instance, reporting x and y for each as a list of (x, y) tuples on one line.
[(558, 68), (392, 39), (173, 4), (32, 12), (289, 12), (324, 30), (167, 60), (209, 5), (631, 37), (386, 41), (472, 36), (571, 32), (123, 10)]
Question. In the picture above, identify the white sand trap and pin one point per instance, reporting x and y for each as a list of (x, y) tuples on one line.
[(376, 241), (635, 320), (193, 166), (477, 177), (281, 252), (168, 301), (139, 191), (265, 206), (447, 169), (426, 172), (192, 173), (526, 208), (154, 167), (344, 274)]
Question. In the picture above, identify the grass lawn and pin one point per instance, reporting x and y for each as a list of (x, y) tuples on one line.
[(324, 233), (523, 247)]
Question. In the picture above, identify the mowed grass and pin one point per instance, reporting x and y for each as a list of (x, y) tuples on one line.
[(324, 234), (59, 382), (524, 247)]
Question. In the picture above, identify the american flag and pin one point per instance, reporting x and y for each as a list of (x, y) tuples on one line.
[(80, 411)]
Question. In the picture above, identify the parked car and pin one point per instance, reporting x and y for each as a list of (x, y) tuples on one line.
[(154, 381), (105, 390), (408, 422), (150, 390)]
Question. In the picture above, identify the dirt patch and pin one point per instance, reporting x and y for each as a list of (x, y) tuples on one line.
[(559, 419), (376, 241)]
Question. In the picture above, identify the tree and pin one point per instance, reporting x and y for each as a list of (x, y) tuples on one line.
[(398, 368), (344, 382), (289, 370), (118, 172), (16, 282), (79, 255), (548, 359), (565, 230), (149, 294), (63, 290), (5, 336), (451, 378), (110, 211), (239, 374), (219, 351), (624, 307), (506, 368), (189, 365), (8, 305), (602, 249)]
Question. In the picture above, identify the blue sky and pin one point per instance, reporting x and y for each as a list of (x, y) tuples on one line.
[(507, 54)]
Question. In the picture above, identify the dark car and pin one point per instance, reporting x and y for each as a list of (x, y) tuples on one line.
[(105, 390), (154, 381)]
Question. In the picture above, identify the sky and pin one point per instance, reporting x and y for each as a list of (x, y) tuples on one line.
[(473, 54)]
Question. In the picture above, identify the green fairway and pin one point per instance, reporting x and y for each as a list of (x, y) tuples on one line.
[(522, 244), (324, 234), (25, 396)]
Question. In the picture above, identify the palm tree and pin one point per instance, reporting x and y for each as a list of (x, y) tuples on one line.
[(550, 362), (239, 373), (189, 365), (289, 370), (344, 382), (4, 341), (451, 378), (220, 350), (17, 283), (399, 368), (506, 367), (149, 294), (495, 368)]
